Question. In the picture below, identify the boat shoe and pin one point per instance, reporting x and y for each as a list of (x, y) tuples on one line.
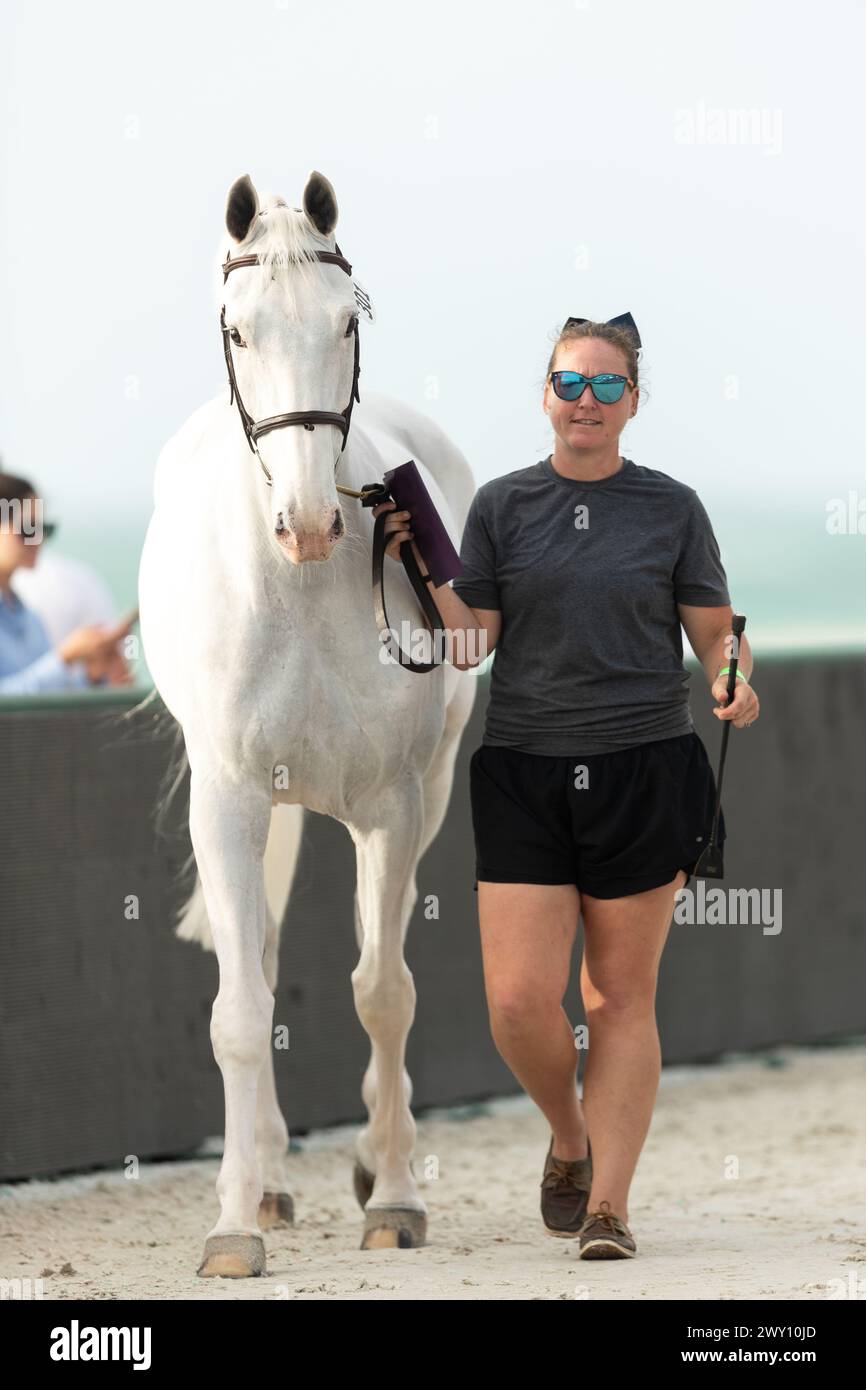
[(565, 1188), (603, 1236)]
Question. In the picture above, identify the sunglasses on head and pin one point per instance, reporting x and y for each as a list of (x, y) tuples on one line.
[(607, 387)]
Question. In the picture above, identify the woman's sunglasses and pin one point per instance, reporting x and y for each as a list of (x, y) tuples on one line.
[(607, 388)]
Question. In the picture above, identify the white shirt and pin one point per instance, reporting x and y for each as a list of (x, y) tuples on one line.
[(66, 594)]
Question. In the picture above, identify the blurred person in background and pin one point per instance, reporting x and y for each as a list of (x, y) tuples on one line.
[(29, 663), (66, 594)]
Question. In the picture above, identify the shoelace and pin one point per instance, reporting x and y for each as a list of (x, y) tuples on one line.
[(607, 1218)]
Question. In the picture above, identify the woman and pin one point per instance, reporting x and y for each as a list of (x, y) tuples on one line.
[(29, 664), (591, 792)]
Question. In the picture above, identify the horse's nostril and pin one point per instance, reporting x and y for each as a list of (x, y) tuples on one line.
[(339, 525)]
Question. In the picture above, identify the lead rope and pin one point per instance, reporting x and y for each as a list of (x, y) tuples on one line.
[(370, 495)]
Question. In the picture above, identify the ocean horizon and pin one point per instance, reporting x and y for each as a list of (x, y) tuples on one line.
[(801, 588)]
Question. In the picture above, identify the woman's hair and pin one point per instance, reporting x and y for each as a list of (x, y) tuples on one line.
[(609, 333), (13, 489)]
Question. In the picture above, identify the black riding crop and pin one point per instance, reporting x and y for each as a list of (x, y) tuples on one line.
[(711, 863)]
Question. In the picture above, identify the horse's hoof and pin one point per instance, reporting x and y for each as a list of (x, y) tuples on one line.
[(394, 1228), (363, 1183), (276, 1209), (232, 1257)]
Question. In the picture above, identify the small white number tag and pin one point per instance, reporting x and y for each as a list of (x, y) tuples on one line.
[(365, 304)]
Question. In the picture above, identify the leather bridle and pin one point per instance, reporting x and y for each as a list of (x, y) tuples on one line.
[(308, 418), (370, 494)]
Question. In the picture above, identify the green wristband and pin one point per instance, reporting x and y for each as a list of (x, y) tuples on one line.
[(740, 676)]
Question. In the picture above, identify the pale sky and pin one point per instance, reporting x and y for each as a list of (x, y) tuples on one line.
[(498, 167)]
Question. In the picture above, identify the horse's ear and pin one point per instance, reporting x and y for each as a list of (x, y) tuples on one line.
[(242, 206), (320, 203)]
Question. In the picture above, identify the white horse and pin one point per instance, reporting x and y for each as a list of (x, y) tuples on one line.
[(273, 667)]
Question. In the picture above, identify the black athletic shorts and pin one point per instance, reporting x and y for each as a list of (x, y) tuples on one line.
[(610, 823)]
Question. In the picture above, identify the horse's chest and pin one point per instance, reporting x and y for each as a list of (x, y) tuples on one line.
[(336, 747)]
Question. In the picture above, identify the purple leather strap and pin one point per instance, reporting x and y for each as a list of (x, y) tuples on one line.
[(408, 491)]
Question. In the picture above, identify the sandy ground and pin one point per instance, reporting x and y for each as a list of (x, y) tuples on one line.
[(791, 1225)]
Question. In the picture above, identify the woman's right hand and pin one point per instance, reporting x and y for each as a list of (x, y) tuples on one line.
[(396, 527)]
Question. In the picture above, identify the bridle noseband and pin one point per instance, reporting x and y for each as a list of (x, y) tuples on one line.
[(308, 418)]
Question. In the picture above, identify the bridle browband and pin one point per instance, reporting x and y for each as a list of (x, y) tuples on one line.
[(308, 418), (369, 495)]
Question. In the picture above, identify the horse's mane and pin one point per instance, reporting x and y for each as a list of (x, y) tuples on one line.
[(283, 236)]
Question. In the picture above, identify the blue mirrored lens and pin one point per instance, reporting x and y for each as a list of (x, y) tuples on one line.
[(569, 386), (607, 389)]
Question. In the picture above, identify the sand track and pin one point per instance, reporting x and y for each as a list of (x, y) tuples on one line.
[(792, 1225)]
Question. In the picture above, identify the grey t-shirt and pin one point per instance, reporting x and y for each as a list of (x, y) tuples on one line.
[(587, 576)]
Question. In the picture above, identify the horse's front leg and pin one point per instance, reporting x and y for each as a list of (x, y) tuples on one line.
[(272, 1136), (229, 823), (387, 857)]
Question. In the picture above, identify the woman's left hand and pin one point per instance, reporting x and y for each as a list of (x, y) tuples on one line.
[(745, 707)]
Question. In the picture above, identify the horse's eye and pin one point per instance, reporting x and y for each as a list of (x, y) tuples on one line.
[(236, 337), (351, 328)]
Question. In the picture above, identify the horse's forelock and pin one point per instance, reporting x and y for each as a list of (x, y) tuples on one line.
[(285, 234), (281, 236)]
